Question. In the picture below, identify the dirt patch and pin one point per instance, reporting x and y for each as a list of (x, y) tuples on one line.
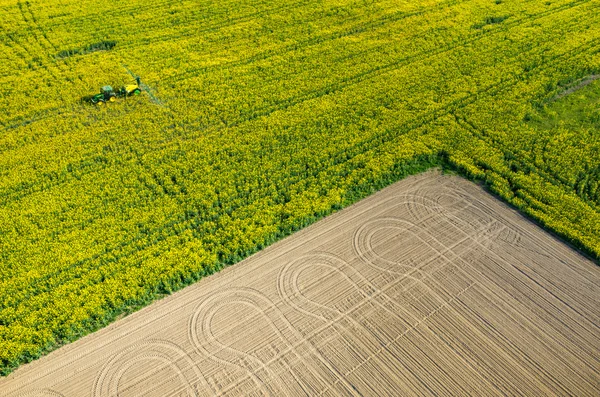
[(582, 83), (105, 45), (430, 286)]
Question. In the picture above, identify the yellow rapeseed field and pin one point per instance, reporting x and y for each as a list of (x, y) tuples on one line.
[(257, 118)]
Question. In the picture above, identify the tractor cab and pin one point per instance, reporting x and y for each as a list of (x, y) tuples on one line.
[(107, 91)]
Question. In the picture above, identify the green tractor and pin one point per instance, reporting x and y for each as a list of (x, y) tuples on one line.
[(108, 94)]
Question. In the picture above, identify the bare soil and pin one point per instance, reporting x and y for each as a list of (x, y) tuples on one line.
[(582, 83), (430, 286)]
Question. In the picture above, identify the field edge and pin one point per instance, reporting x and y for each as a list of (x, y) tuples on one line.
[(417, 165)]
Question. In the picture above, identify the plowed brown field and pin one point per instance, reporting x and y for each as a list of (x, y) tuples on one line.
[(430, 286)]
